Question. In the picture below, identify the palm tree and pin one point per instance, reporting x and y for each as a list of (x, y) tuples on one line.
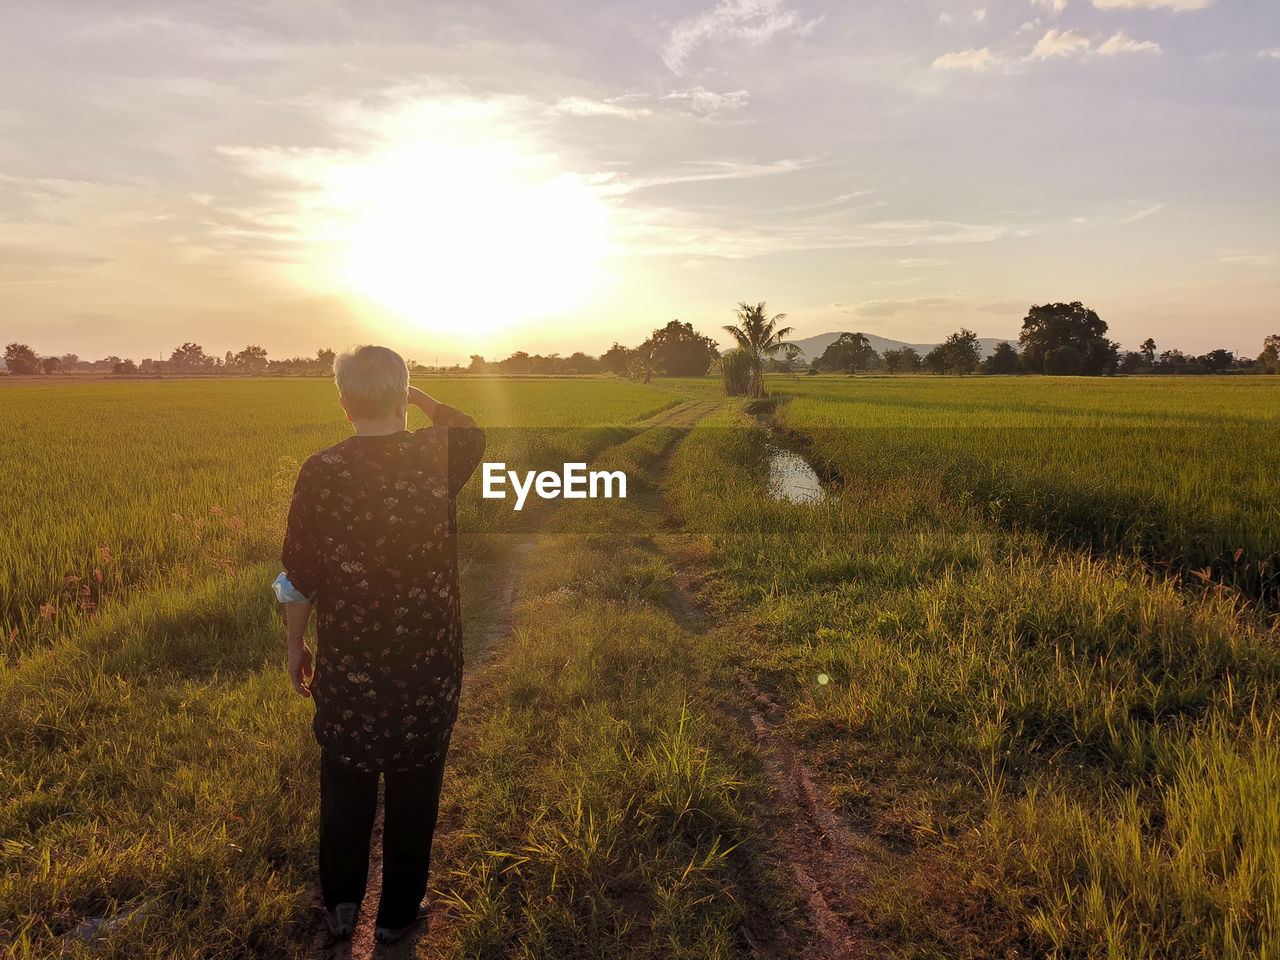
[(758, 338)]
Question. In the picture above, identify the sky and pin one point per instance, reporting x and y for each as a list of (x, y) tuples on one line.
[(481, 177)]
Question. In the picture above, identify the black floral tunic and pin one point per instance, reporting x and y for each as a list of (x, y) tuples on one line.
[(372, 540)]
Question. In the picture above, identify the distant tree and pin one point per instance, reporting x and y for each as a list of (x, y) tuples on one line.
[(847, 353), (935, 361), (641, 366), (1268, 360), (579, 362), (477, 364), (124, 366), (790, 354), (229, 360), (1131, 361), (616, 359), (1149, 351), (50, 365), (518, 362), (680, 351), (325, 357), (252, 359), (1066, 324), (1218, 360), (544, 365), (1172, 359), (190, 356), (737, 370), (910, 360), (759, 336), (1101, 357), (69, 361), (1004, 359), (20, 358), (962, 351), (1064, 360)]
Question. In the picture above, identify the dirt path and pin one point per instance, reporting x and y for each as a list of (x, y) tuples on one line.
[(482, 634), (831, 862)]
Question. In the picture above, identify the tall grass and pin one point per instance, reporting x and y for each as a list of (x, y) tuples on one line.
[(1181, 471), (1074, 754), (156, 764), (121, 486), (603, 798)]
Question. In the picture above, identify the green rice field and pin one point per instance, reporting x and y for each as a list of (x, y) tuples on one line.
[(1027, 648)]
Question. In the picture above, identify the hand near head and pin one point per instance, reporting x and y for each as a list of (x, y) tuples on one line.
[(423, 401)]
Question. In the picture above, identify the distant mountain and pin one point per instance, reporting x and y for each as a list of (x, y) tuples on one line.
[(813, 346)]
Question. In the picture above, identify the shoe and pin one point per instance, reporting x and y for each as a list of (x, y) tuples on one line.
[(342, 919), (392, 934)]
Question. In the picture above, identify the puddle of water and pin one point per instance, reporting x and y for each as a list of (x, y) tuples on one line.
[(791, 478)]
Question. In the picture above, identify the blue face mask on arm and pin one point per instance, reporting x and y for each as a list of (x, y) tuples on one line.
[(286, 592)]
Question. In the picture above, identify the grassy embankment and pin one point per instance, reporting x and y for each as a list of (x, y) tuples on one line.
[(152, 751), (1183, 472), (603, 793), (1073, 757)]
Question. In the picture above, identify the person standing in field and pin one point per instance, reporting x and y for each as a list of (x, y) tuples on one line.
[(371, 544)]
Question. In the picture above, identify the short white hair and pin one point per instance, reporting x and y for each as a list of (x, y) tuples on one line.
[(371, 380)]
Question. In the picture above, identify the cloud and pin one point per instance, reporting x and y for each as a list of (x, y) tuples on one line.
[(1056, 6), (889, 308), (754, 21), (697, 171), (1061, 44), (20, 264), (1004, 306), (1273, 53), (964, 60), (1252, 259), (586, 107), (1121, 43), (706, 102), (1151, 4), (979, 15), (1141, 214), (922, 262), (667, 231)]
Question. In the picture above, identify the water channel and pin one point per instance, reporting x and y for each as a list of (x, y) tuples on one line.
[(791, 478)]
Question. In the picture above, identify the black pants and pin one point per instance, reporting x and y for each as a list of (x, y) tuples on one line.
[(348, 802)]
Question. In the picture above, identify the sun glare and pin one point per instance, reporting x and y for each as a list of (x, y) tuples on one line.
[(471, 238)]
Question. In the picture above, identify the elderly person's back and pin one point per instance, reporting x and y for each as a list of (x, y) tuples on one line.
[(372, 542)]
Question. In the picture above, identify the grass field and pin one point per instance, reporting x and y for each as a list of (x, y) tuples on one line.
[(1062, 751), (1077, 756), (1181, 472), (112, 486)]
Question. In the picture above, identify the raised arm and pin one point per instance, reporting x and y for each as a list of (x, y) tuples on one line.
[(465, 443), (441, 414)]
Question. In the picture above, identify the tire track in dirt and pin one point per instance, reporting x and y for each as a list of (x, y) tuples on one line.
[(831, 862)]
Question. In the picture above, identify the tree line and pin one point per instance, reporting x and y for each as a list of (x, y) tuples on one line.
[(1056, 338)]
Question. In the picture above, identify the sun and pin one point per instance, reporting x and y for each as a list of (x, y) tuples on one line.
[(470, 237)]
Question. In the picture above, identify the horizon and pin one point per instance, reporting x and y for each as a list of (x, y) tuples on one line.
[(267, 176)]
